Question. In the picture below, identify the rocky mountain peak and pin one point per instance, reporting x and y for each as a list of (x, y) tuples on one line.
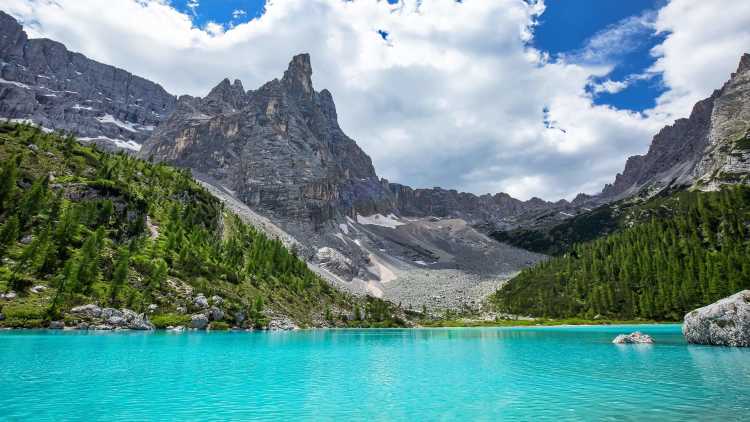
[(227, 96), (41, 81), (298, 77), (708, 147), (12, 36)]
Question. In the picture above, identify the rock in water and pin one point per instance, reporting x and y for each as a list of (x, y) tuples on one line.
[(724, 323), (633, 338)]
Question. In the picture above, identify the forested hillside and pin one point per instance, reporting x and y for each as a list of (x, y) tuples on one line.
[(79, 226), (675, 253)]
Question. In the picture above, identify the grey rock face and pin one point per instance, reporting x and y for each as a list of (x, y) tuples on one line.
[(200, 301), (633, 338), (727, 158), (43, 82), (87, 311), (279, 148), (110, 318), (215, 314), (724, 323), (282, 323), (710, 148)]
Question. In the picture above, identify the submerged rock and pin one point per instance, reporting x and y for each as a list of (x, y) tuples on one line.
[(633, 338), (724, 323)]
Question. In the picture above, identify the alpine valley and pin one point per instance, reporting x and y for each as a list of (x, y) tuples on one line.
[(252, 208)]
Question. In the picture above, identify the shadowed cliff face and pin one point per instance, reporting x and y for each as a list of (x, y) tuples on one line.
[(43, 82)]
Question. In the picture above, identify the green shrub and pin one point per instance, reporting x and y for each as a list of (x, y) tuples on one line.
[(219, 326), (24, 311), (23, 323), (165, 320)]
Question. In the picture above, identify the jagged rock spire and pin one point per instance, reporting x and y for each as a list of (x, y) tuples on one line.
[(229, 93), (744, 63), (298, 77)]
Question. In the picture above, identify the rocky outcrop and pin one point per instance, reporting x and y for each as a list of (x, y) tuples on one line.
[(282, 323), (41, 81), (94, 317), (724, 323), (633, 338), (198, 321), (200, 302)]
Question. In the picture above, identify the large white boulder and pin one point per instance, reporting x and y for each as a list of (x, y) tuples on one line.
[(723, 323)]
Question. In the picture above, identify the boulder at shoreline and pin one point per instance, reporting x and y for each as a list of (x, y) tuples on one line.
[(723, 323)]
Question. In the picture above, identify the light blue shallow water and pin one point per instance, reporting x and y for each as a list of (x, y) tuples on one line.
[(555, 373)]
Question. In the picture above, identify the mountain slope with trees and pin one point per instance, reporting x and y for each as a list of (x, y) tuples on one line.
[(674, 254), (78, 225)]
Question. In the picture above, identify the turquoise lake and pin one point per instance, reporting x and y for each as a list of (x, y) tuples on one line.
[(546, 373)]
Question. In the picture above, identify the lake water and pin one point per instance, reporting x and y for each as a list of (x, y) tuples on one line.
[(550, 373)]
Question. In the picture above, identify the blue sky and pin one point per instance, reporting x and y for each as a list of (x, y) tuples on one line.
[(567, 26)]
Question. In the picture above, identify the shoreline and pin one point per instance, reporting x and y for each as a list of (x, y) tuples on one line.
[(419, 327)]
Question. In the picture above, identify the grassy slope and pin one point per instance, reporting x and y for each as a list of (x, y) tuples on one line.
[(121, 232)]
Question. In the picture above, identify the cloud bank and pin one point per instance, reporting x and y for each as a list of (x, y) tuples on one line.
[(453, 96)]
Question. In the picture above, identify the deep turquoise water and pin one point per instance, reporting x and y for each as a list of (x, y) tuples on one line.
[(555, 373)]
